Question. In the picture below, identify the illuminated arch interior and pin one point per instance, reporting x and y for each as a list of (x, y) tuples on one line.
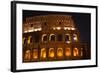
[(44, 37), (52, 37), (75, 52), (43, 53), (29, 39), (35, 53), (68, 51), (51, 52), (27, 55), (75, 39), (59, 52), (67, 38), (81, 51)]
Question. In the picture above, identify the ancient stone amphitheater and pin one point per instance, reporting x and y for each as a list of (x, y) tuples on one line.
[(52, 38)]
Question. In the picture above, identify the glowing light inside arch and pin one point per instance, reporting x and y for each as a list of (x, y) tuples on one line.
[(60, 52), (27, 55), (43, 53), (75, 52), (51, 52), (35, 54), (68, 52)]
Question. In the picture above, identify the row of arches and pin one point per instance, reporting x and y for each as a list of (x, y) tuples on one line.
[(59, 37), (52, 53), (53, 37)]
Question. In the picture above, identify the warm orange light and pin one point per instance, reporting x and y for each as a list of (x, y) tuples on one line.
[(25, 31), (72, 28), (69, 28), (27, 55), (75, 52), (75, 38), (51, 52), (59, 52), (58, 28), (32, 30), (35, 54), (68, 52), (81, 51), (65, 28), (38, 29), (43, 53), (54, 28)]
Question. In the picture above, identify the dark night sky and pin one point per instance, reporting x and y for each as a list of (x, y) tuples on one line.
[(82, 20)]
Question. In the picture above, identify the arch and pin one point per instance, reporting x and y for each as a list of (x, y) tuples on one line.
[(51, 52), (27, 55), (67, 38), (44, 38), (52, 37), (35, 53), (75, 38), (68, 51), (75, 52), (59, 52), (29, 39), (43, 53)]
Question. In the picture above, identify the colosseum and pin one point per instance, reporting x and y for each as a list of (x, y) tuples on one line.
[(52, 38)]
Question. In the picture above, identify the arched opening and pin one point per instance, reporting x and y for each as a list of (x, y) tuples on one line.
[(68, 51), (44, 38), (52, 37), (67, 38), (35, 53), (75, 52), (43, 53), (60, 52), (51, 52), (24, 40), (27, 55), (75, 38), (29, 39)]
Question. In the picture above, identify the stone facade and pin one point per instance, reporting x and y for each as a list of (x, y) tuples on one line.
[(52, 38)]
